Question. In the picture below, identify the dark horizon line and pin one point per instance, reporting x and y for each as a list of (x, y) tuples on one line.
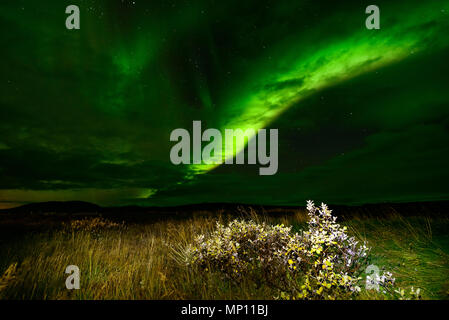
[(83, 205)]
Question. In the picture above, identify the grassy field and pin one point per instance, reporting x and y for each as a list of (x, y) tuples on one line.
[(147, 260)]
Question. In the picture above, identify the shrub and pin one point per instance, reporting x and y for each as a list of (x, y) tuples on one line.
[(92, 225), (243, 248), (322, 262)]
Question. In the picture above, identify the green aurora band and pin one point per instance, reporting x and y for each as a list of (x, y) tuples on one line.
[(298, 77), (86, 115)]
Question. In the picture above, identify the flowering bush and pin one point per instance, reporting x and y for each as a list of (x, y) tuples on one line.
[(331, 260), (242, 248), (322, 262)]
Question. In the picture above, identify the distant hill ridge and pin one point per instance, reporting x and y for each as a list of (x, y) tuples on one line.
[(55, 206), (73, 207)]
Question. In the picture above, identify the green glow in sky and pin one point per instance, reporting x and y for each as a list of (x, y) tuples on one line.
[(337, 61), (86, 115)]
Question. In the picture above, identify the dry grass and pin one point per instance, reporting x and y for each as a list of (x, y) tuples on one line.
[(147, 261)]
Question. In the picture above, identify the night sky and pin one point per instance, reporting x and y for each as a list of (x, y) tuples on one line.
[(363, 115)]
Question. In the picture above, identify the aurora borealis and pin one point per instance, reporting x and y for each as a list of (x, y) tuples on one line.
[(363, 115)]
